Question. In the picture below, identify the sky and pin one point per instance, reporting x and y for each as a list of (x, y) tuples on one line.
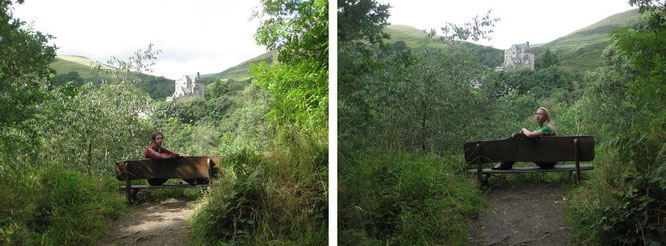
[(536, 21), (205, 36), (209, 36)]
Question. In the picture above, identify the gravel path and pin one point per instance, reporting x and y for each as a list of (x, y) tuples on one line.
[(163, 223), (529, 215)]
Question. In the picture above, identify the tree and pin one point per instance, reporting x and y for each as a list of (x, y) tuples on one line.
[(100, 123), (546, 60), (24, 68), (299, 84), (362, 20)]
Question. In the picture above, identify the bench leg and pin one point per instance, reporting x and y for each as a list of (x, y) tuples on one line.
[(577, 172), (479, 173), (128, 189)]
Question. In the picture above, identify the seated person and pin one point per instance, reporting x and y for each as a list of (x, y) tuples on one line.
[(157, 152), (545, 128)]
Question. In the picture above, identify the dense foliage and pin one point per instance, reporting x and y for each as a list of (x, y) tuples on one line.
[(276, 185), (418, 105), (402, 114), (627, 199)]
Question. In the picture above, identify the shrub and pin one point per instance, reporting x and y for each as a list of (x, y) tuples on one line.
[(72, 208), (618, 205), (231, 210), (279, 198), (406, 199), (56, 206)]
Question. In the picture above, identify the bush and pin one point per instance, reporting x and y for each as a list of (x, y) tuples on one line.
[(619, 206), (279, 197), (58, 207), (231, 211), (401, 200)]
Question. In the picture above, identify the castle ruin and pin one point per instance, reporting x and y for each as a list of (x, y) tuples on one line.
[(519, 55), (188, 85)]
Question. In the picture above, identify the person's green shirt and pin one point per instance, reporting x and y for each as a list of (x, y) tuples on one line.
[(545, 129)]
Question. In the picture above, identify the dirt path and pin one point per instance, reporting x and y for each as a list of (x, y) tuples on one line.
[(530, 215), (163, 223)]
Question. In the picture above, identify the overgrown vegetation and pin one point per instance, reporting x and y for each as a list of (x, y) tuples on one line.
[(399, 105), (625, 202), (275, 190), (61, 135), (54, 153), (403, 113)]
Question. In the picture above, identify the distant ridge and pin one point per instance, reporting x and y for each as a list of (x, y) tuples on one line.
[(241, 71), (581, 50), (595, 33)]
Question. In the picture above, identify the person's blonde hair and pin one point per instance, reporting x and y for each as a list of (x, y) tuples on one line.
[(549, 121)]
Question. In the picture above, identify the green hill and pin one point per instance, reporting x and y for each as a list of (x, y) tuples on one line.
[(83, 66), (240, 71), (417, 39), (80, 70), (582, 49)]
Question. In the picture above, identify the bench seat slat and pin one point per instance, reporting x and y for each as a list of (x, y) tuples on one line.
[(557, 168)]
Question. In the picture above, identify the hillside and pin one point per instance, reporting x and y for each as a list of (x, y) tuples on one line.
[(582, 48), (240, 71), (64, 64), (417, 39), (80, 70)]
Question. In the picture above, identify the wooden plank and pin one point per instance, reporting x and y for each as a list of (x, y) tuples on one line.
[(557, 168), (147, 187), (521, 148), (183, 168)]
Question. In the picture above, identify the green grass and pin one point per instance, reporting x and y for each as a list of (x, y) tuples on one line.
[(595, 33), (81, 65), (417, 39), (278, 198), (157, 87), (56, 206), (402, 199), (241, 71), (581, 50)]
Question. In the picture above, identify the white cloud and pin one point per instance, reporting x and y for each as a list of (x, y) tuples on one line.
[(194, 36)]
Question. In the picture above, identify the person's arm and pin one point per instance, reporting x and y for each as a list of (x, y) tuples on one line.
[(153, 154), (166, 151), (531, 134)]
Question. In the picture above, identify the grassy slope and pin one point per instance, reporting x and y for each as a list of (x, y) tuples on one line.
[(65, 64), (158, 87), (240, 71), (417, 39), (581, 49)]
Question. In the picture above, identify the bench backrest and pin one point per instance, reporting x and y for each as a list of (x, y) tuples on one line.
[(541, 149), (183, 168)]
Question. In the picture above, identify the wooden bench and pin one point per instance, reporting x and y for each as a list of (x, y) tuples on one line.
[(523, 149), (195, 167)]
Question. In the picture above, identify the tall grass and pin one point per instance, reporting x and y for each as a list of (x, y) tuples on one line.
[(401, 199), (619, 205), (275, 198), (56, 206)]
